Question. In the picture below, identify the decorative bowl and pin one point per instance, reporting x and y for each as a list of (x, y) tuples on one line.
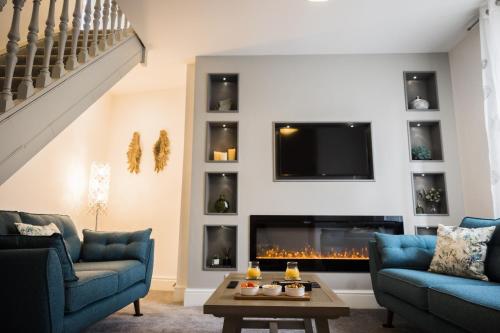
[(271, 289), (295, 292), (419, 104), (249, 288)]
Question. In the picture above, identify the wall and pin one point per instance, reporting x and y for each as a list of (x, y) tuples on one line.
[(148, 199), (318, 88), (465, 63), (55, 180)]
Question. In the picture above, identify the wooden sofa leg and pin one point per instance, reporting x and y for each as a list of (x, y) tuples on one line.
[(137, 308), (390, 317)]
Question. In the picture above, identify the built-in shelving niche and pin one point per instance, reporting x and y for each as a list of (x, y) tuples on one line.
[(222, 142), (220, 247), (223, 92), (425, 141), (424, 230), (423, 85), (221, 186), (425, 182)]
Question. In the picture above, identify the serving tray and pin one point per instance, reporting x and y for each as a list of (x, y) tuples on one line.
[(282, 297)]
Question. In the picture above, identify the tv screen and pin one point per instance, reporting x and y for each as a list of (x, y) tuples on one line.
[(323, 151)]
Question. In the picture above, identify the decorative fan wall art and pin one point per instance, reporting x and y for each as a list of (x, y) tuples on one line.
[(161, 150), (134, 153)]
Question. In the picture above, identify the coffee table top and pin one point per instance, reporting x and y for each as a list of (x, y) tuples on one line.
[(324, 302)]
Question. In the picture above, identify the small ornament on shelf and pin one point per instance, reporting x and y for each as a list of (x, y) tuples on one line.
[(227, 257), (419, 104), (221, 205), (421, 153), (225, 105), (215, 260), (433, 198)]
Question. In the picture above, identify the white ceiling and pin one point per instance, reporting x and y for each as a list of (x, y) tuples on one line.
[(176, 31)]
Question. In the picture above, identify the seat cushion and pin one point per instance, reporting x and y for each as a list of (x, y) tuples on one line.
[(475, 308), (65, 225), (106, 246), (405, 251), (492, 262), (7, 220), (129, 271), (91, 287), (412, 286)]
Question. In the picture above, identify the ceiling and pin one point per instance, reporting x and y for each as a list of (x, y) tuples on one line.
[(176, 31)]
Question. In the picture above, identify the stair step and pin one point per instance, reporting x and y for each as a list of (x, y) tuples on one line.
[(55, 50), (19, 70), (37, 61), (15, 82)]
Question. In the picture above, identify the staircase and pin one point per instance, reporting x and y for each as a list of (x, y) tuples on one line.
[(46, 83)]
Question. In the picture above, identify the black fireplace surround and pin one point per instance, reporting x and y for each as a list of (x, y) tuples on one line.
[(317, 243)]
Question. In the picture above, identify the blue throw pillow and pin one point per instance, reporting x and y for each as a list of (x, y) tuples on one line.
[(405, 251), (55, 241), (104, 246)]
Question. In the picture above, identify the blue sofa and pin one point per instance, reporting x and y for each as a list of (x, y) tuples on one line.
[(60, 284), (435, 302)]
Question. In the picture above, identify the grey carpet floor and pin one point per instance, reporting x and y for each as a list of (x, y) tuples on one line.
[(162, 315)]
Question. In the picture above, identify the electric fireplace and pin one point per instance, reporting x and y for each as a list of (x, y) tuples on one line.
[(317, 243)]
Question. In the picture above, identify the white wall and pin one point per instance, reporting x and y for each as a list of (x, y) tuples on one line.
[(56, 179), (465, 63), (320, 88)]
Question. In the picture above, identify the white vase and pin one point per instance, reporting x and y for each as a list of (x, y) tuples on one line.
[(419, 104)]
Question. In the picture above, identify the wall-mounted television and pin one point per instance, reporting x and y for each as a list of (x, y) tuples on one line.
[(323, 151)]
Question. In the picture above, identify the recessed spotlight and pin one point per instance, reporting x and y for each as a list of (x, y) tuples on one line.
[(419, 124), (423, 175), (223, 175), (287, 126), (351, 125), (414, 77), (224, 125), (224, 79)]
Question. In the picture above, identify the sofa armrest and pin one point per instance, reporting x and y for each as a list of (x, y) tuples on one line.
[(149, 264), (375, 266), (32, 291)]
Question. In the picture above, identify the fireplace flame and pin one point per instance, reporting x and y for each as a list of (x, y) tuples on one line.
[(275, 252)]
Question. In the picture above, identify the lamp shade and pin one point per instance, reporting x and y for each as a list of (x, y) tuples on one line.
[(100, 174)]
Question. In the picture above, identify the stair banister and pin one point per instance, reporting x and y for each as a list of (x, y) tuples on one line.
[(72, 61), (84, 52), (114, 8), (125, 27), (44, 79), (58, 68), (94, 47), (26, 88), (118, 33), (103, 44), (6, 100)]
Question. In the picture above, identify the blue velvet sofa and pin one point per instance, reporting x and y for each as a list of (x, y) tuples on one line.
[(435, 302), (60, 284)]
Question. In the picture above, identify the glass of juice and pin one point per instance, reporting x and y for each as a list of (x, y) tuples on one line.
[(292, 271), (253, 271)]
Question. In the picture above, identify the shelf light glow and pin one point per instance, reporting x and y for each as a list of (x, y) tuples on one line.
[(287, 130), (415, 77)]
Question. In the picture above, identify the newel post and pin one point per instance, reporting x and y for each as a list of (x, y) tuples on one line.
[(26, 88), (58, 68), (6, 100), (44, 79)]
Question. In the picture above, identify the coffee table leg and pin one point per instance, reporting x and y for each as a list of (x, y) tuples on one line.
[(322, 325), (232, 325), (308, 325)]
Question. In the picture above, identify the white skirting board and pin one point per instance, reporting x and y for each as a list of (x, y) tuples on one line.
[(163, 283), (355, 299)]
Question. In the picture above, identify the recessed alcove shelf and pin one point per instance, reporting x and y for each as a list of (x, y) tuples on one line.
[(222, 142), (425, 230), (425, 182), (423, 85), (223, 92), (220, 247), (425, 141), (224, 186)]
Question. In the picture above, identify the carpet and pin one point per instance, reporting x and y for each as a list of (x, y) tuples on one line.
[(164, 316)]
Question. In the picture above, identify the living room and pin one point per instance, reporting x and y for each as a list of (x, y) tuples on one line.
[(320, 166)]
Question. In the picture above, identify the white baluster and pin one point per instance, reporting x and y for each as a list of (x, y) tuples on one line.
[(72, 61), (26, 88), (44, 79), (103, 45), (111, 37), (94, 48), (118, 33), (125, 27), (12, 48), (58, 68), (84, 52)]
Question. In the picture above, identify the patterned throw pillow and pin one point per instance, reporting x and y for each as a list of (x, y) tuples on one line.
[(461, 251), (37, 230)]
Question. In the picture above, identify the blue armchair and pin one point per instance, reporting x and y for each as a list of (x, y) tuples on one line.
[(40, 292)]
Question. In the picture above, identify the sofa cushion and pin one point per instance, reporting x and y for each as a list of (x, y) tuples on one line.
[(106, 246), (54, 241), (405, 251), (91, 287), (129, 271), (7, 220), (412, 285), (492, 262), (64, 223), (474, 308)]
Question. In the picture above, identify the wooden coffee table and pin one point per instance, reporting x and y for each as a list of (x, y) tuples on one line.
[(238, 314)]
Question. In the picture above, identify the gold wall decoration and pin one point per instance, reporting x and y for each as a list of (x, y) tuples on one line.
[(161, 150), (134, 153)]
